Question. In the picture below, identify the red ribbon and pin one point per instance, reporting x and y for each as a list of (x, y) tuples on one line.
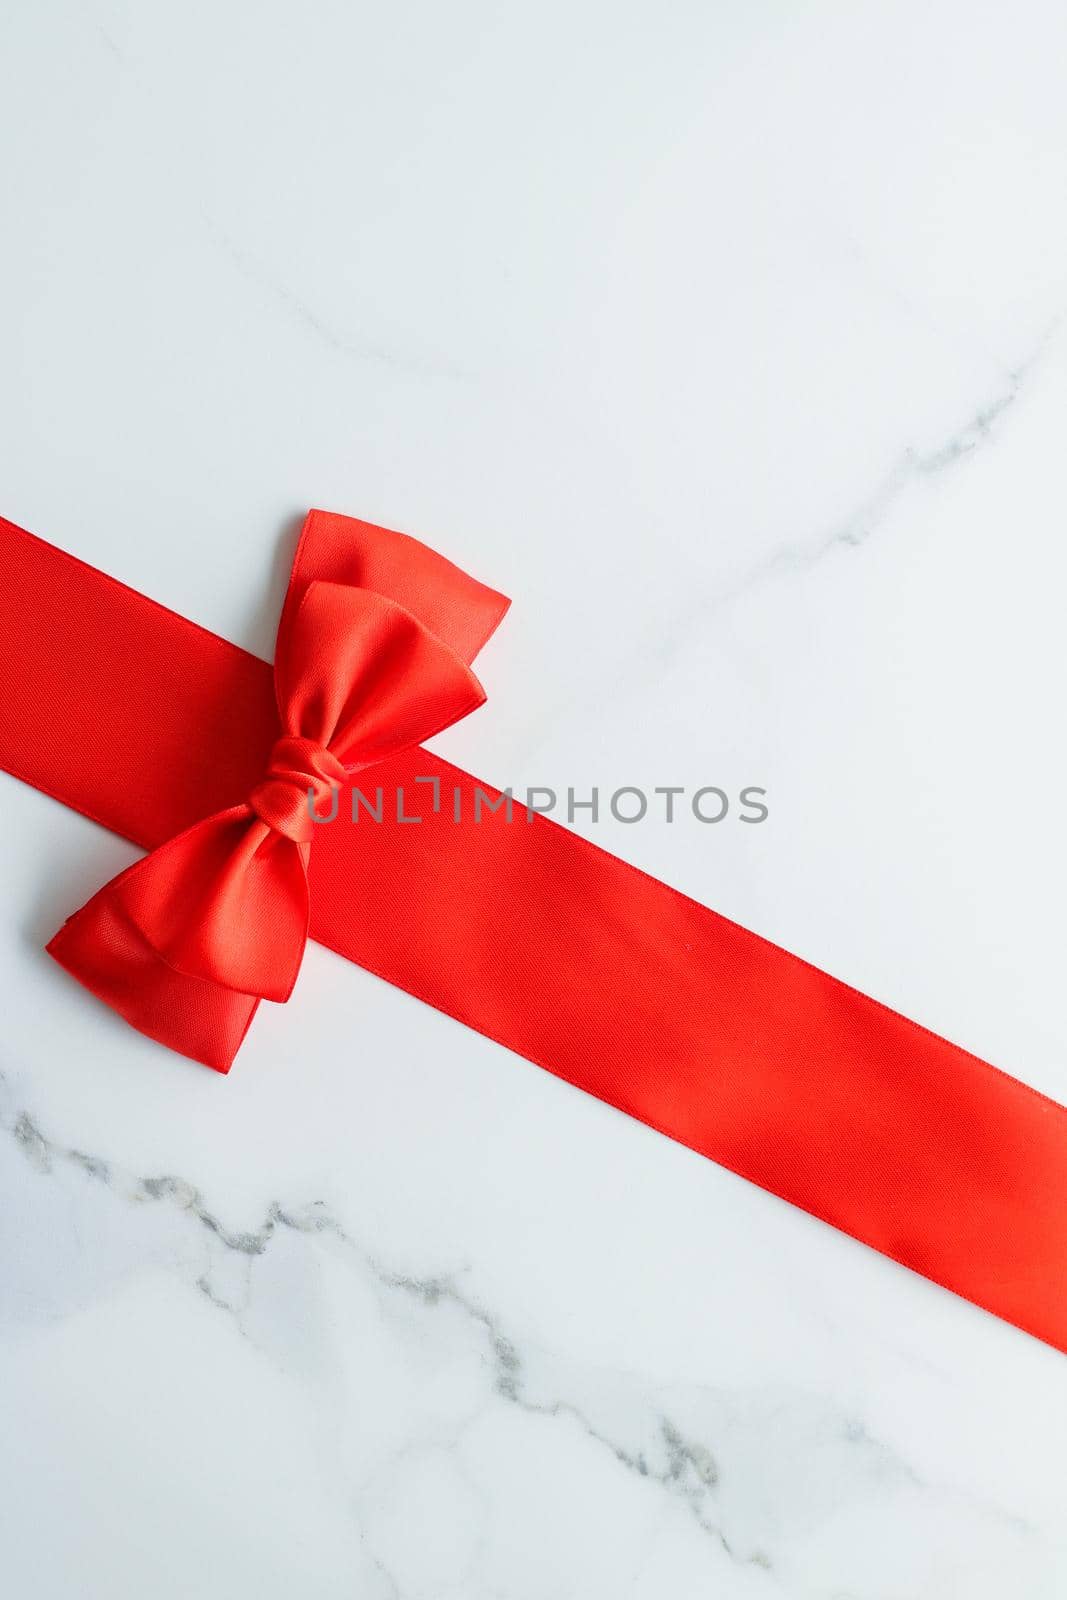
[(172, 737)]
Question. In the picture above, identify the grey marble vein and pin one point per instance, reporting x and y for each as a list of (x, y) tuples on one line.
[(666, 641), (667, 1454), (972, 434), (335, 339)]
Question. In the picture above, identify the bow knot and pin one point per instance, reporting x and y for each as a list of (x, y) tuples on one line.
[(299, 779), (372, 659)]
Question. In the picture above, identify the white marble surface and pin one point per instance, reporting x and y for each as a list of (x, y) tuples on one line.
[(727, 339)]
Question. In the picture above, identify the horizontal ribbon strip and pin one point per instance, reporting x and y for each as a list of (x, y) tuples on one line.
[(536, 938)]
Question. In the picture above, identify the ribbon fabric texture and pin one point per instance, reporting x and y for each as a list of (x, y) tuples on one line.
[(519, 929)]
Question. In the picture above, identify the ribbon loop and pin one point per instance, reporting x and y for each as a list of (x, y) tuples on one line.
[(300, 777)]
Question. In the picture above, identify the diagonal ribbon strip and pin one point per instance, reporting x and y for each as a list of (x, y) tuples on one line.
[(523, 931)]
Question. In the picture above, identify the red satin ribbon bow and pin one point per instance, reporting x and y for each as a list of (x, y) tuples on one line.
[(184, 943), (520, 929)]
